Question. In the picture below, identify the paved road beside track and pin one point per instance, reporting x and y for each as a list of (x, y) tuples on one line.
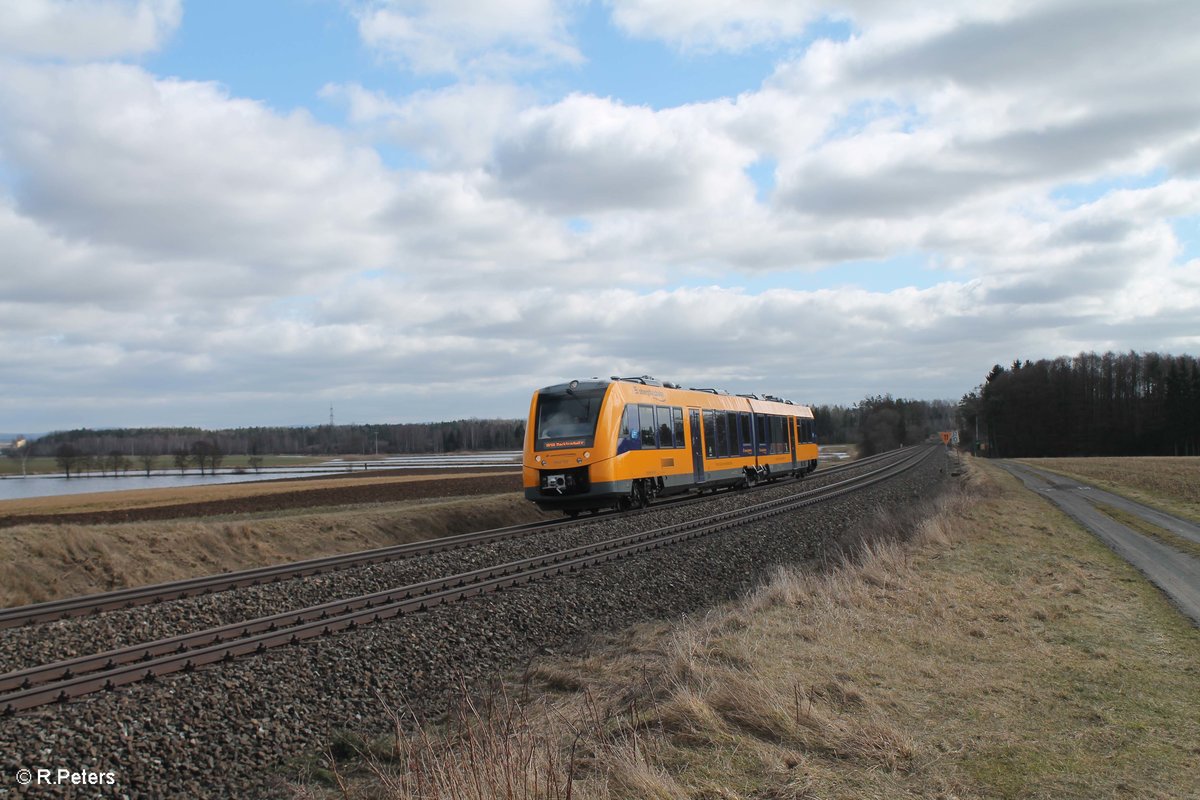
[(1176, 573)]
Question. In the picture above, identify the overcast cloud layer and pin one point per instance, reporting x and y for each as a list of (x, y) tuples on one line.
[(907, 197)]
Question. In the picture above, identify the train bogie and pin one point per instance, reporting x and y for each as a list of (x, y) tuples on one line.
[(598, 444)]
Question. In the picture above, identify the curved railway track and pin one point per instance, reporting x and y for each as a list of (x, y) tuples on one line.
[(64, 680), (193, 587)]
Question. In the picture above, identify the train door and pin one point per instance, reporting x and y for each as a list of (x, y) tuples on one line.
[(697, 446), (792, 423)]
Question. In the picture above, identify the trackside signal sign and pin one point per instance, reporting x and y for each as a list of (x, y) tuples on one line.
[(946, 436)]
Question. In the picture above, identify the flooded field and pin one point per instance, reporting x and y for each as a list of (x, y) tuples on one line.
[(20, 488)]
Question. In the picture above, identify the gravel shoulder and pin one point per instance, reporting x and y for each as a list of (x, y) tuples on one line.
[(1176, 573)]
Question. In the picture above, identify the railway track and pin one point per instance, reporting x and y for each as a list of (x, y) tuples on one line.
[(65, 680), (209, 584)]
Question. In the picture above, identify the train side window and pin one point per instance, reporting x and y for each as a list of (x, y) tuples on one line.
[(677, 423), (735, 439), (649, 434), (666, 437), (722, 434), (747, 433), (710, 434), (761, 429), (631, 434)]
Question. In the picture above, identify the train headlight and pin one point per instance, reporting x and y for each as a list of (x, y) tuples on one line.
[(587, 454), (538, 459)]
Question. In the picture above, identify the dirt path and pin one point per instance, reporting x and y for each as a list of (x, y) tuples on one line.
[(1176, 573)]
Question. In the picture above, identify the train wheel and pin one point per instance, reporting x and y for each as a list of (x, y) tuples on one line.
[(572, 513)]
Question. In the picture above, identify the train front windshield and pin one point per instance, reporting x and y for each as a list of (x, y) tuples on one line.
[(568, 418)]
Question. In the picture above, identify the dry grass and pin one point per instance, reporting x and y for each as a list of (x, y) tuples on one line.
[(999, 652), (1168, 482), (44, 562)]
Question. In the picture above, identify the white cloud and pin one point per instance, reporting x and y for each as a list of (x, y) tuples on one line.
[(181, 171), (469, 36), (86, 29), (454, 127), (715, 24), (587, 154)]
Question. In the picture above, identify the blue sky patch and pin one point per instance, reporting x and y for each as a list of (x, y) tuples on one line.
[(1187, 231), (650, 73), (1074, 195), (762, 172)]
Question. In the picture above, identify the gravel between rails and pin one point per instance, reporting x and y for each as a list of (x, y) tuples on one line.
[(234, 731), (45, 643)]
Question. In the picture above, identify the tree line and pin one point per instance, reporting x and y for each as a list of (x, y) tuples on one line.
[(382, 439), (1091, 405), (881, 422)]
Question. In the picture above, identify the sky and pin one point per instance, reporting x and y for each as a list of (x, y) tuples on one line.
[(229, 214)]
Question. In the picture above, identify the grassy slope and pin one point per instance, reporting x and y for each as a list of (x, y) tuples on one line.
[(43, 562), (1004, 654)]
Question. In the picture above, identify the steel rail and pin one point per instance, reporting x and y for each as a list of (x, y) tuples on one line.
[(85, 605), (60, 682)]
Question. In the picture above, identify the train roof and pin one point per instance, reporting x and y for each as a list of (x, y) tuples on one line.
[(759, 403)]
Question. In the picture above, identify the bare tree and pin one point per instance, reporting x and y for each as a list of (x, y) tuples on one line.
[(66, 456)]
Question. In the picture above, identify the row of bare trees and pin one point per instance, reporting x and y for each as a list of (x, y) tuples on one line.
[(427, 437), (202, 454)]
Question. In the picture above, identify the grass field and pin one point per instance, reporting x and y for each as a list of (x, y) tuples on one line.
[(1003, 653), (1169, 483)]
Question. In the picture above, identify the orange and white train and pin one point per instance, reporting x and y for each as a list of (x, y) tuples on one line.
[(622, 442)]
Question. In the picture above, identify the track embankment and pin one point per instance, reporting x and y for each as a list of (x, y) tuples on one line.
[(237, 730)]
